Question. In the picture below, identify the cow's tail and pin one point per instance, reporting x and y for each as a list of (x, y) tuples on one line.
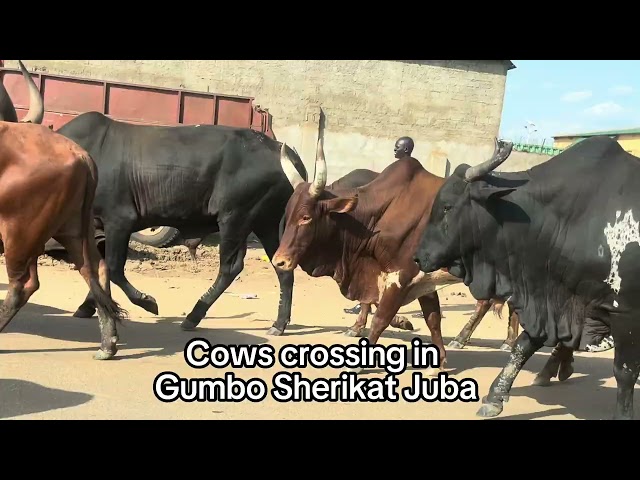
[(103, 300), (498, 305)]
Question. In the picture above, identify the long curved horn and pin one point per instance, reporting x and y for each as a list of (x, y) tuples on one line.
[(288, 167), (7, 109), (36, 104), (320, 175), (500, 154)]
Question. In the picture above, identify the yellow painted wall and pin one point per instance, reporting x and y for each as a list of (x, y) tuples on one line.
[(630, 142)]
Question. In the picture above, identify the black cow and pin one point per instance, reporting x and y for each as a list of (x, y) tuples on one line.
[(200, 179), (561, 239)]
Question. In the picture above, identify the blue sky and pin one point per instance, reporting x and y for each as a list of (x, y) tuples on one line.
[(570, 96)]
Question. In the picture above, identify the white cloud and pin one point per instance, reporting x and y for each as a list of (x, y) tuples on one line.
[(621, 90), (604, 109), (577, 96)]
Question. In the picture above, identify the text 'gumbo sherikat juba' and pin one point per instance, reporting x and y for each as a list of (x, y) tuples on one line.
[(292, 386)]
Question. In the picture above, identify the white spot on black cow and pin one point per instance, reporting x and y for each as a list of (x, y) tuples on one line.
[(621, 234)]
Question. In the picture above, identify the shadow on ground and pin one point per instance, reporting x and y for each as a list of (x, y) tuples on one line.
[(582, 396), (163, 338), (420, 330), (19, 397), (591, 371)]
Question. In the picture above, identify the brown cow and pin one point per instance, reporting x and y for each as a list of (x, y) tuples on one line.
[(367, 237), (348, 231), (360, 177), (47, 187)]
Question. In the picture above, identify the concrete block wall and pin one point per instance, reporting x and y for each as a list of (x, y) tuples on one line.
[(450, 108)]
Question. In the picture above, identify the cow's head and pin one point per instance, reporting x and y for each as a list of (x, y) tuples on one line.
[(449, 236), (36, 104), (308, 211)]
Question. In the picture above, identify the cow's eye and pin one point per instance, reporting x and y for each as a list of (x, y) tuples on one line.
[(306, 218)]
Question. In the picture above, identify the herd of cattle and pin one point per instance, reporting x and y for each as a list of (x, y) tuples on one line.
[(556, 243)]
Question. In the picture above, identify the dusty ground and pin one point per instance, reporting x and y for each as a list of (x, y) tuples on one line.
[(47, 370)]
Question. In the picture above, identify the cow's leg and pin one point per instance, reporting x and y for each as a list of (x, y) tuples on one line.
[(116, 250), (23, 282), (430, 305), (358, 327), (626, 365), (88, 308), (512, 332), (499, 390), (389, 305), (269, 239), (482, 307), (559, 364), (234, 233), (88, 263)]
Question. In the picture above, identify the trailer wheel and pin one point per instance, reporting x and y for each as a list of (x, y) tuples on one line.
[(155, 236)]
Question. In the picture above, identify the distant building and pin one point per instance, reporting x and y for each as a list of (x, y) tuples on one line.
[(629, 139)]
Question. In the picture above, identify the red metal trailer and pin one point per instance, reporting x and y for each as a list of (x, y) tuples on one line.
[(67, 97)]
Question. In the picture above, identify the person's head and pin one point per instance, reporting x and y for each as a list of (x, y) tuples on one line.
[(403, 147)]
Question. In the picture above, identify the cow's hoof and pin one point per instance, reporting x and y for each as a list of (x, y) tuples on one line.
[(541, 381), (188, 325), (505, 347), (353, 333), (402, 323), (489, 410), (455, 344), (274, 332), (565, 371), (84, 311), (103, 355), (148, 303)]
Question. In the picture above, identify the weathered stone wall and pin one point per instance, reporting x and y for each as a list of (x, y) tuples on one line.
[(450, 108)]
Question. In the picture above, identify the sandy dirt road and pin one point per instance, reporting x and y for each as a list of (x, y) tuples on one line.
[(47, 370)]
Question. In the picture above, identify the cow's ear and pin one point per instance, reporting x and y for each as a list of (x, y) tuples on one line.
[(487, 192), (342, 204)]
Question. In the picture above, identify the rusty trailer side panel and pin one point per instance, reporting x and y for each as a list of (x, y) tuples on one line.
[(67, 97)]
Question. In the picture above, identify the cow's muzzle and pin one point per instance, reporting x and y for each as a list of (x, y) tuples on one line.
[(282, 262), (423, 263)]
